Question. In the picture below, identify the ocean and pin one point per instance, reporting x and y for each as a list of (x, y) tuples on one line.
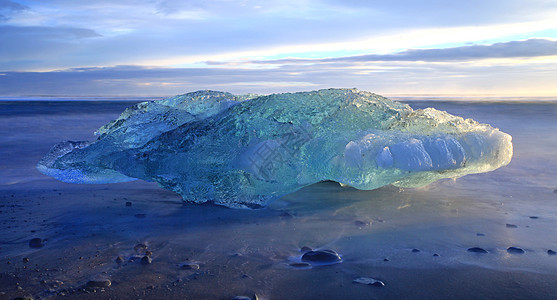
[(416, 241)]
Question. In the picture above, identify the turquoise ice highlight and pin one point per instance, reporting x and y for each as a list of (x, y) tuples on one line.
[(244, 151)]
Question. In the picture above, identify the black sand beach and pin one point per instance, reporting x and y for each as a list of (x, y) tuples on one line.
[(212, 252)]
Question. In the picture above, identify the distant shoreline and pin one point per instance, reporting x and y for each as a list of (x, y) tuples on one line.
[(452, 99)]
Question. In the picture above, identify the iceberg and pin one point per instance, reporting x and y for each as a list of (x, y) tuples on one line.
[(244, 151)]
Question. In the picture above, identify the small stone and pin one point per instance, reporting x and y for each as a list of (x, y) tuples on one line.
[(555, 191), (286, 215), (36, 243), (25, 260), (189, 266), (140, 216), (140, 248), (435, 255), (360, 223), (534, 217), (322, 257), (369, 281), (480, 234), (415, 250), (511, 226), (551, 252), (300, 265), (128, 203), (385, 259), (146, 260), (98, 283), (254, 297), (306, 249), (119, 260), (515, 250), (477, 250)]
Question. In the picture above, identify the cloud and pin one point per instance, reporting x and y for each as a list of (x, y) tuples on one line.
[(28, 45), (527, 48), (522, 76), (8, 8), (169, 33)]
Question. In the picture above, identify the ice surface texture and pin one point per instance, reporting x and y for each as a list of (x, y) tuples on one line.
[(243, 151)]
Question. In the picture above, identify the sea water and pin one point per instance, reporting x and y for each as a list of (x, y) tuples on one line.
[(86, 227)]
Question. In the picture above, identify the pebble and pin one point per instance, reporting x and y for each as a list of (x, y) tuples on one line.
[(477, 250), (189, 266), (36, 243), (254, 297), (385, 259), (551, 252), (322, 256), (511, 226), (480, 234), (146, 260), (435, 254), (369, 281), (515, 250), (360, 223), (25, 260), (300, 265), (286, 215), (534, 217), (119, 260), (415, 250), (306, 249), (140, 248), (128, 203), (98, 283)]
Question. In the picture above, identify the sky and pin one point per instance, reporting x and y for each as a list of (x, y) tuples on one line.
[(169, 47)]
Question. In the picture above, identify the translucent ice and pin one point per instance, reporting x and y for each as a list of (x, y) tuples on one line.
[(243, 151)]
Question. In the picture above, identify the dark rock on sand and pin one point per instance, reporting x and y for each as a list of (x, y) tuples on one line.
[(360, 223), (515, 250), (119, 260), (415, 250), (511, 226), (435, 254), (25, 259), (305, 249), (36, 243), (322, 257), (254, 297), (98, 283), (477, 250), (385, 259), (189, 266), (145, 260), (300, 265), (551, 252), (128, 203), (140, 248), (480, 234), (369, 281)]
